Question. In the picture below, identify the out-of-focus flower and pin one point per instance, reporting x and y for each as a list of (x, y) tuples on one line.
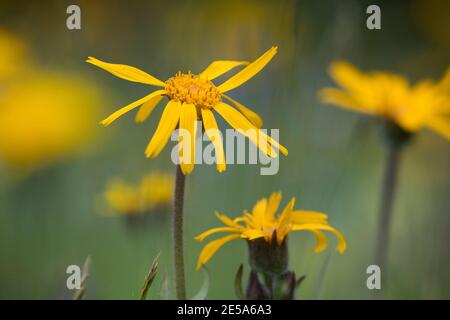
[(45, 117), (193, 97), (154, 191), (390, 96), (267, 232), (13, 54)]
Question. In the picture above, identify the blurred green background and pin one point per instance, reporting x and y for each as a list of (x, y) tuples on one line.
[(49, 216)]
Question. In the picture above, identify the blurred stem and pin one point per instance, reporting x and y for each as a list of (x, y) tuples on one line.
[(387, 201), (180, 181)]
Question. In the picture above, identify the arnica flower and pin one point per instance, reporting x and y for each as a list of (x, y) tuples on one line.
[(46, 117), (195, 96), (390, 96), (153, 192), (263, 227)]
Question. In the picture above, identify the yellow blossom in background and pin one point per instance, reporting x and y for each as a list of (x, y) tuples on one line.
[(13, 55), (195, 96), (390, 96), (263, 222), (45, 117), (154, 191)]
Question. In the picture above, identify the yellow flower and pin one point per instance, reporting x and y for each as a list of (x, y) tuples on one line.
[(390, 96), (12, 55), (193, 97), (264, 223), (155, 190), (45, 117)]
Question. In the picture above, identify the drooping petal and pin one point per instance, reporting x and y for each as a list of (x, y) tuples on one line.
[(147, 108), (188, 117), (126, 72), (211, 248), (248, 72), (342, 245), (306, 217), (131, 106), (252, 116), (207, 233), (243, 126), (321, 241), (166, 125), (217, 68), (212, 130)]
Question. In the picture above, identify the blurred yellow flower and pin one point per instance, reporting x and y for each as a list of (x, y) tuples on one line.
[(193, 97), (154, 191), (45, 117), (12, 54), (390, 96), (264, 223)]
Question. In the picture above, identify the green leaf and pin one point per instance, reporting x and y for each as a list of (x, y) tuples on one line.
[(79, 294), (238, 283), (203, 292), (149, 278), (299, 281)]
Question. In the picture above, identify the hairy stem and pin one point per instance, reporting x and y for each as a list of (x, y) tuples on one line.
[(177, 231)]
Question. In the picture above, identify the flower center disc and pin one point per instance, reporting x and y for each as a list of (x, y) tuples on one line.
[(189, 88)]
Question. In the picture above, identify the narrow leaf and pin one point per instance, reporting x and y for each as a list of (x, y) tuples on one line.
[(149, 278), (238, 283), (203, 292), (79, 294)]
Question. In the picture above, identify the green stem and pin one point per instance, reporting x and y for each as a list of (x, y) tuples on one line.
[(387, 200), (177, 230)]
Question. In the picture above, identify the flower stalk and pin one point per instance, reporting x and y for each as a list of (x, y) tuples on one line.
[(177, 231), (396, 139)]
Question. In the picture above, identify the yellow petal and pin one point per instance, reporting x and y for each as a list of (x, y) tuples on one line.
[(243, 126), (259, 211), (146, 109), (347, 75), (166, 125), (441, 126), (248, 72), (131, 106), (227, 221), (126, 72), (302, 216), (188, 118), (252, 116), (211, 248), (212, 130), (205, 234), (342, 99), (342, 245), (252, 234), (217, 68), (321, 241), (273, 204), (284, 221)]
